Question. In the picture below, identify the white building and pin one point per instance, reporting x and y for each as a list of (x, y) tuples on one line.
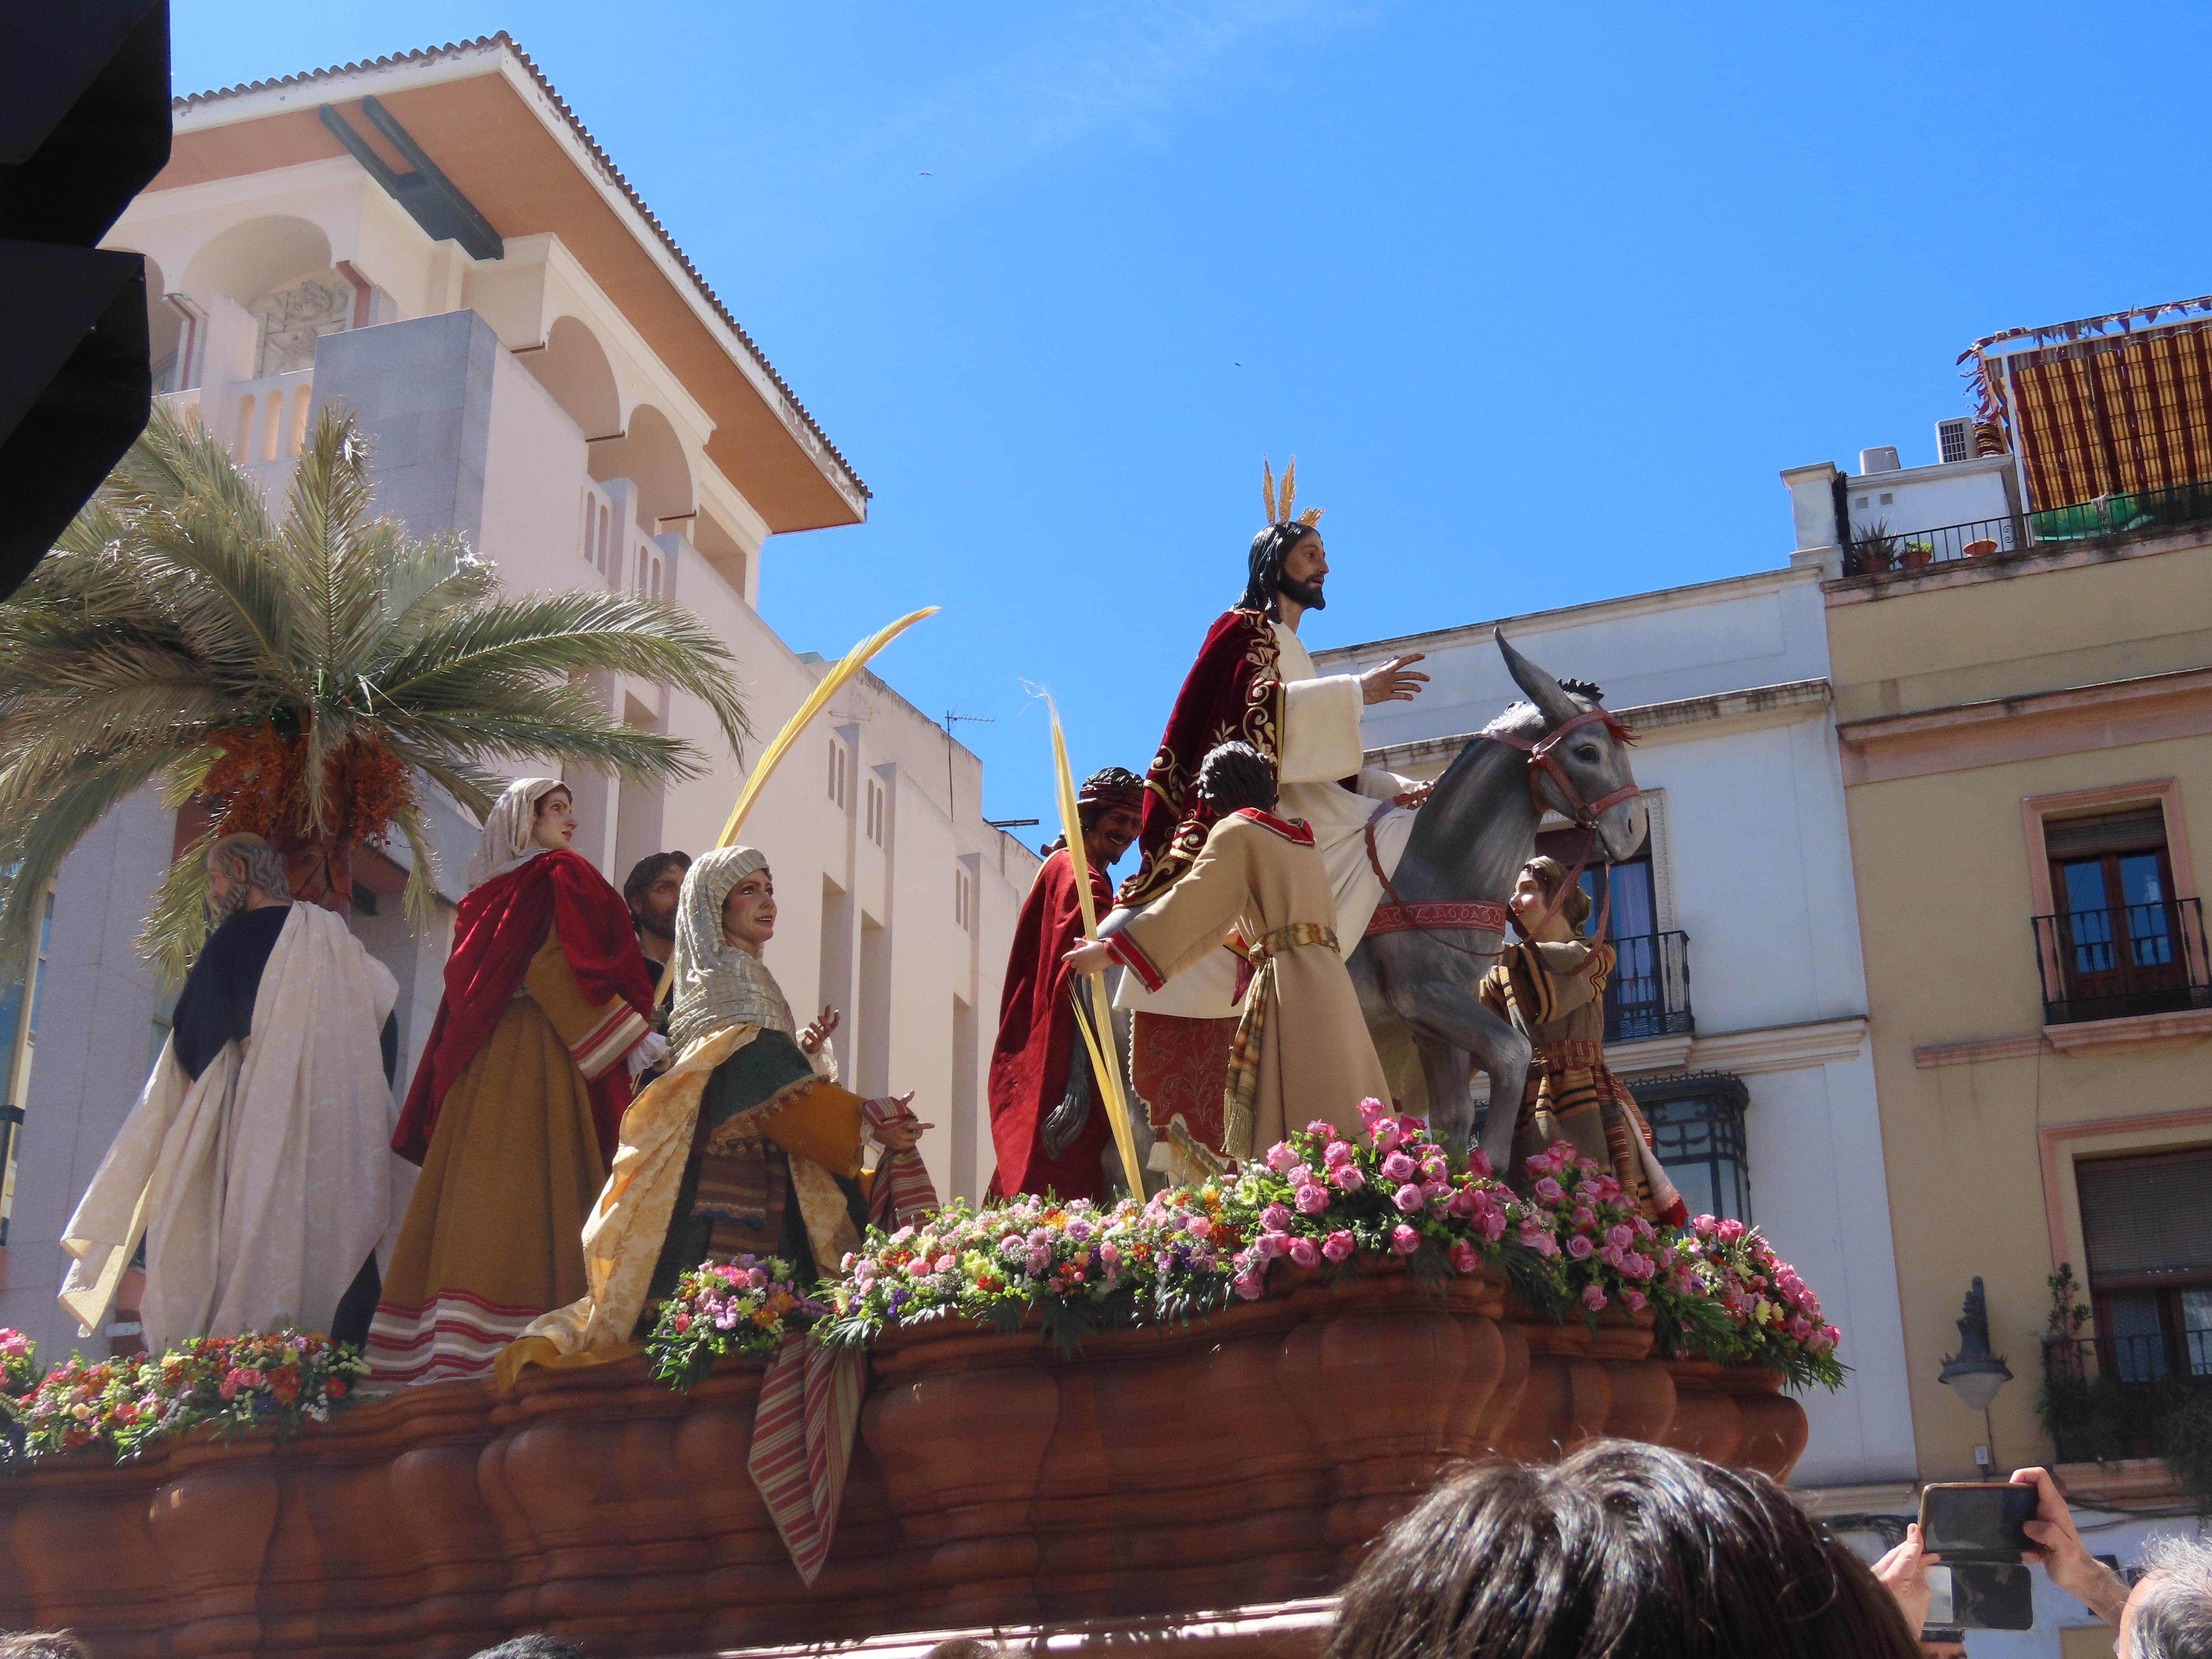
[(1739, 1009), (433, 241)]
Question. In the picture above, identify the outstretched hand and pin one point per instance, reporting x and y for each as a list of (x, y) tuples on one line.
[(1392, 681), (903, 1133), (1088, 958), (818, 1031), (2064, 1556)]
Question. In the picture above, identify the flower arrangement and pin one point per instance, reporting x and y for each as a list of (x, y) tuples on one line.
[(280, 1379), (18, 1376), (1771, 1317), (745, 1306)]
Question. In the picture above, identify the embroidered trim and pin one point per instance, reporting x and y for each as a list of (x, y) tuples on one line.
[(1131, 955), (751, 1124), (596, 1052), (1419, 916), (1294, 829)]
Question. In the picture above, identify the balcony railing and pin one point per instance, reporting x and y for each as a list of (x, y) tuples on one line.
[(2122, 514), (1882, 548), (1648, 994), (2107, 1397), (2135, 959)]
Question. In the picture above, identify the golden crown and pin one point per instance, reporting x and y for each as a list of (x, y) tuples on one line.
[(1278, 511)]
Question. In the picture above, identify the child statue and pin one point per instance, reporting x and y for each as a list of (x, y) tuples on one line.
[(546, 1017), (745, 1146), (1550, 984), (1302, 1051)]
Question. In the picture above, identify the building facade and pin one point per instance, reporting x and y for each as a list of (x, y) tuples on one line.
[(1738, 1012), (434, 243)]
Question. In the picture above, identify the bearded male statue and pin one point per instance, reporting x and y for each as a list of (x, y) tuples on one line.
[(256, 1167)]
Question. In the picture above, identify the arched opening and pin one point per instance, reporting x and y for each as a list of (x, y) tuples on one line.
[(651, 456), (278, 269), (574, 367)]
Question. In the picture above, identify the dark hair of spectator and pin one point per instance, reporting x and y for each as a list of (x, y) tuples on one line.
[(1624, 1550), (537, 1646), (42, 1644), (646, 870), (1236, 775)]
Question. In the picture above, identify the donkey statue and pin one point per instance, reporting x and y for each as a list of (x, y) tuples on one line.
[(1560, 750)]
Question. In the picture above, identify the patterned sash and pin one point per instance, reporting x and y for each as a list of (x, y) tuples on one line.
[(1243, 1083)]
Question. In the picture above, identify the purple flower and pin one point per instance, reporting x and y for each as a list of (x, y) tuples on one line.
[(1619, 1234), (1305, 1253), (1312, 1199), (1409, 1197), (1348, 1177), (1274, 1244), (1579, 1247), (1613, 1256), (1550, 1190), (1404, 1240), (1276, 1219), (1339, 1245)]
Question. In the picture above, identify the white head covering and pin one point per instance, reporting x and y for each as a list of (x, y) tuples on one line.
[(506, 844), (716, 983)]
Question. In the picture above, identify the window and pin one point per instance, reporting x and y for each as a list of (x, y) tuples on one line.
[(837, 769), (1696, 1130), (1648, 993), (876, 812), (2146, 1227), (961, 902), (2117, 942)]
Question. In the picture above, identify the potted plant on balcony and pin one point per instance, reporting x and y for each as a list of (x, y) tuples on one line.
[(1873, 549), (1917, 554)]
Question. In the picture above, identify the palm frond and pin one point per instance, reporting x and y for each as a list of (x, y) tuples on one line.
[(419, 901), (176, 926), (605, 745), (32, 847)]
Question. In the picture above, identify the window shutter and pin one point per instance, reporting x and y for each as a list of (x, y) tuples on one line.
[(2135, 831), (2147, 1220)]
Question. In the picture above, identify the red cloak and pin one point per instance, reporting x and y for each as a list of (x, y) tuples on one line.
[(1233, 694), (1037, 1034), (496, 930)]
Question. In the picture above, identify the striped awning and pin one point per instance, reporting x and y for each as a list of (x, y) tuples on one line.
[(2107, 414)]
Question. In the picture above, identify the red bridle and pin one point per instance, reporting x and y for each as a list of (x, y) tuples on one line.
[(1395, 915)]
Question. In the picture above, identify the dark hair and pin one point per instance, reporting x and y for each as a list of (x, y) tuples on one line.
[(1550, 875), (646, 870), (1622, 1549), (536, 1646), (1235, 775), (1121, 787), (1265, 571)]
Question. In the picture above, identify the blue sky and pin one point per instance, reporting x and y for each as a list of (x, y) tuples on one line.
[(1542, 297)]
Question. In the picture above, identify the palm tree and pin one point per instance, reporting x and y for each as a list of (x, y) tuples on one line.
[(301, 678)]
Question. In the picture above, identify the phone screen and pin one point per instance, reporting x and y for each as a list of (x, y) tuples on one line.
[(1977, 1521)]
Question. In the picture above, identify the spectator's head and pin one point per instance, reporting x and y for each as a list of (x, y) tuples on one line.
[(1623, 1549), (1236, 775), (42, 1644), (1942, 1642), (2169, 1613), (538, 1646), (652, 888), (240, 869)]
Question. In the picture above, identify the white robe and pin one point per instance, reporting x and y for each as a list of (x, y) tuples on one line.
[(1321, 746), (262, 1187)]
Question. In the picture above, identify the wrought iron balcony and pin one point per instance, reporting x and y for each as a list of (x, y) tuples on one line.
[(1879, 548), (1648, 994), (2107, 1397), (2146, 958)]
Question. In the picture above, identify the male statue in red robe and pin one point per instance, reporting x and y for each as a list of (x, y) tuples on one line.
[(1048, 1117), (1254, 683)]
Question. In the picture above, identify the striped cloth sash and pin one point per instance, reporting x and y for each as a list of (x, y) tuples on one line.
[(1243, 1087)]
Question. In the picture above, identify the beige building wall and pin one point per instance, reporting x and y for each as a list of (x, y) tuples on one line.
[(1974, 704)]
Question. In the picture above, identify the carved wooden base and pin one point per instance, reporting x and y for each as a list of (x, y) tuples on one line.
[(1250, 1459)]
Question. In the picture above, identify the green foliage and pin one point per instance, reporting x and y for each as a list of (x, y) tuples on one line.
[(176, 608), (2189, 1446)]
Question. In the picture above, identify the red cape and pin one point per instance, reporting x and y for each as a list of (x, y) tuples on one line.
[(496, 930), (1233, 693), (1036, 1032)]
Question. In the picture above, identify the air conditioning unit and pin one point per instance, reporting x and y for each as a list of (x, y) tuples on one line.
[(1954, 440)]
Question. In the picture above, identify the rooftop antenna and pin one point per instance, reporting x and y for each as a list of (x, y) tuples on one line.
[(951, 716)]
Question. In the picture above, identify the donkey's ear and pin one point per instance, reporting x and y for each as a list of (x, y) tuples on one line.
[(1546, 692)]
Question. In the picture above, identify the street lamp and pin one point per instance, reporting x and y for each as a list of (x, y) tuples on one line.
[(1975, 1372)]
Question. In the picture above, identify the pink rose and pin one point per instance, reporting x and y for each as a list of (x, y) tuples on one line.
[(1305, 1253), (14, 1344), (1592, 1297), (1642, 1228), (1348, 1177), (1321, 1128), (1386, 1135), (1274, 1244), (1251, 1286), (1282, 1159), (1370, 1109), (1276, 1218), (1313, 1199), (1336, 1152), (1110, 1254), (1583, 1216), (1478, 1164), (1830, 1336), (1339, 1245), (946, 1264), (1465, 1203), (1801, 1328), (1550, 1191), (1579, 1247), (1730, 1231), (1397, 1168), (1463, 1258), (1492, 1226), (1613, 1256), (1197, 1227), (1543, 1243), (1404, 1240), (1620, 1234), (1409, 1197), (1635, 1300)]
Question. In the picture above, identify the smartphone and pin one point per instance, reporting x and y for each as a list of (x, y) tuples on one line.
[(1977, 1521)]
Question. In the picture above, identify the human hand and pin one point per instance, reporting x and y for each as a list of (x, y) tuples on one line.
[(1392, 681), (2064, 1556), (1904, 1574), (903, 1133), (818, 1030), (1088, 958), (648, 1051), (1417, 796)]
